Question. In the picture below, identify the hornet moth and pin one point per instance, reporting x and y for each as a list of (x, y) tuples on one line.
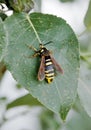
[(48, 64)]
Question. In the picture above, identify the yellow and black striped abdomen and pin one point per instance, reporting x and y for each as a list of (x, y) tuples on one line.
[(49, 69)]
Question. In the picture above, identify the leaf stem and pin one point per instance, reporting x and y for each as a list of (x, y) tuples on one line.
[(88, 54), (85, 57), (84, 32), (37, 36)]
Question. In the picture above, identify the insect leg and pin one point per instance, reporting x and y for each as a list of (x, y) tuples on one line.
[(31, 47), (35, 50), (34, 55)]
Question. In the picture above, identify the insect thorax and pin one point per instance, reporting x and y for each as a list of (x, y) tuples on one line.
[(44, 52)]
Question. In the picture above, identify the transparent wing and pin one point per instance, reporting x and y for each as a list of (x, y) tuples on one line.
[(56, 65), (41, 72)]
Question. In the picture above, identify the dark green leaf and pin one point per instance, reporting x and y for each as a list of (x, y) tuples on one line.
[(2, 1), (3, 16), (3, 99), (24, 100), (87, 19), (24, 31), (18, 86), (21, 5)]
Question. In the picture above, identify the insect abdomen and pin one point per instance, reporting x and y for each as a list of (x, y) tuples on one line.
[(49, 70)]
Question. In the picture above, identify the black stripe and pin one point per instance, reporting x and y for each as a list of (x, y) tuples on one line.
[(47, 57)]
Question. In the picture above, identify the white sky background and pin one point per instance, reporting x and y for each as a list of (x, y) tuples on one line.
[(73, 13)]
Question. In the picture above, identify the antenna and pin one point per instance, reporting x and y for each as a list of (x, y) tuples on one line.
[(48, 42)]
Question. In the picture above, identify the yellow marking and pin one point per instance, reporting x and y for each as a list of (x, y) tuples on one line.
[(48, 63), (47, 71), (42, 50), (50, 74), (50, 77), (49, 80), (47, 59)]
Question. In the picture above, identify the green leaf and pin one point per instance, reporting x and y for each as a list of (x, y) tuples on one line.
[(2, 40), (87, 19), (66, 0), (21, 5), (24, 31), (3, 16), (24, 100), (48, 120), (2, 1), (2, 99), (84, 89)]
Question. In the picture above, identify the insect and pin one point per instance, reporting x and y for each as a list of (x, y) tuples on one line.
[(48, 64)]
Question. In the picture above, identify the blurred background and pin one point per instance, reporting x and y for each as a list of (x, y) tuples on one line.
[(36, 118)]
